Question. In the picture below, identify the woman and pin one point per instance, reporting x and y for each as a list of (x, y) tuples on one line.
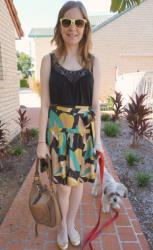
[(70, 87)]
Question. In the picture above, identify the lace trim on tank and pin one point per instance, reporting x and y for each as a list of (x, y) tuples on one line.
[(72, 76)]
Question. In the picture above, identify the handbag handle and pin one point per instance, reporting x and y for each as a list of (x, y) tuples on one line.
[(49, 170), (36, 175)]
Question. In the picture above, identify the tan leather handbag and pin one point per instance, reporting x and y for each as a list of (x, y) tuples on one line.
[(43, 203)]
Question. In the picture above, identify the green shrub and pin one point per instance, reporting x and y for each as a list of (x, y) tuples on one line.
[(33, 132), (16, 151), (132, 158), (110, 103), (111, 129), (24, 83), (143, 179), (105, 117)]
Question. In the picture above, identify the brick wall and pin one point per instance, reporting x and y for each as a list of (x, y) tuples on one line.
[(9, 81)]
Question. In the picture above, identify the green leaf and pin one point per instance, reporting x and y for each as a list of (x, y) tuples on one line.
[(121, 5), (115, 5)]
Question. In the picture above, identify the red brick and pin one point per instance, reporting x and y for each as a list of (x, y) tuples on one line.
[(95, 245), (122, 220), (126, 234), (110, 242), (88, 208), (144, 243), (127, 203), (89, 219), (51, 246), (131, 246), (136, 225), (131, 214), (3, 241), (16, 246), (87, 198), (36, 242)]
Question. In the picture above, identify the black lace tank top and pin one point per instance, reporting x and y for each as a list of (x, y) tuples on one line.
[(69, 88)]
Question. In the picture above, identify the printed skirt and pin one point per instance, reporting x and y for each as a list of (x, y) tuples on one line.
[(70, 137)]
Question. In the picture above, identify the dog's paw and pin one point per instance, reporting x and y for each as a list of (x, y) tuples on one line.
[(106, 209)]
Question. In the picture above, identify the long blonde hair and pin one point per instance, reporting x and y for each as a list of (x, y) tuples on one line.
[(85, 43)]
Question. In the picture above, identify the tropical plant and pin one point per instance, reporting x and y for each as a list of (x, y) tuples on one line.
[(22, 121), (117, 105), (111, 129), (121, 5), (136, 115)]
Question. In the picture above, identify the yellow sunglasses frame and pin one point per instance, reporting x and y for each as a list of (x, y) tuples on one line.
[(73, 21)]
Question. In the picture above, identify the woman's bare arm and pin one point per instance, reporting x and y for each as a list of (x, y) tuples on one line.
[(95, 101), (45, 69), (45, 102)]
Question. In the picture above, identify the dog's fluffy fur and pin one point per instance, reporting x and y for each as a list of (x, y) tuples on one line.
[(113, 191)]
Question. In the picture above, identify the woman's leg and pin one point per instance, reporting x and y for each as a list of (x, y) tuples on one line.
[(74, 202), (63, 197)]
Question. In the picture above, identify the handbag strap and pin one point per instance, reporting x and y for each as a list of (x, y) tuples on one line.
[(49, 170), (36, 175)]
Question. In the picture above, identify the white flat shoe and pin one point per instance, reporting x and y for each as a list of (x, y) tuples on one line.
[(62, 245), (74, 238)]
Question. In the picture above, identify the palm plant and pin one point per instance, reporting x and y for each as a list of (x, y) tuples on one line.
[(121, 5), (117, 105), (22, 121), (136, 115)]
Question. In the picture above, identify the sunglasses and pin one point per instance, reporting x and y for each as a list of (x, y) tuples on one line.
[(79, 23)]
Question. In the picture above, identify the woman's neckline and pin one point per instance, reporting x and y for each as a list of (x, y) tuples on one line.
[(77, 70)]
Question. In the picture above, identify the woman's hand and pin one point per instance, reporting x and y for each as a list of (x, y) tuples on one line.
[(98, 147), (42, 150)]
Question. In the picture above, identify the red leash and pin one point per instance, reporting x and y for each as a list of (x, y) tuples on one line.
[(97, 229)]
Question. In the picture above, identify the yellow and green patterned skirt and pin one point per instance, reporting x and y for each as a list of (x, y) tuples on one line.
[(70, 137)]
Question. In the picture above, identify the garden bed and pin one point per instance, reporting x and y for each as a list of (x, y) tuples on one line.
[(13, 171), (141, 198)]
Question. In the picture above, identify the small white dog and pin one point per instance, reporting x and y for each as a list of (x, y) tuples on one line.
[(113, 191)]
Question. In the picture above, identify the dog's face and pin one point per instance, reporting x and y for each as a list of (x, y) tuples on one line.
[(115, 192)]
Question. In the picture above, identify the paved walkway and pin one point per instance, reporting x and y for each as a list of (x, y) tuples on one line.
[(17, 230)]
